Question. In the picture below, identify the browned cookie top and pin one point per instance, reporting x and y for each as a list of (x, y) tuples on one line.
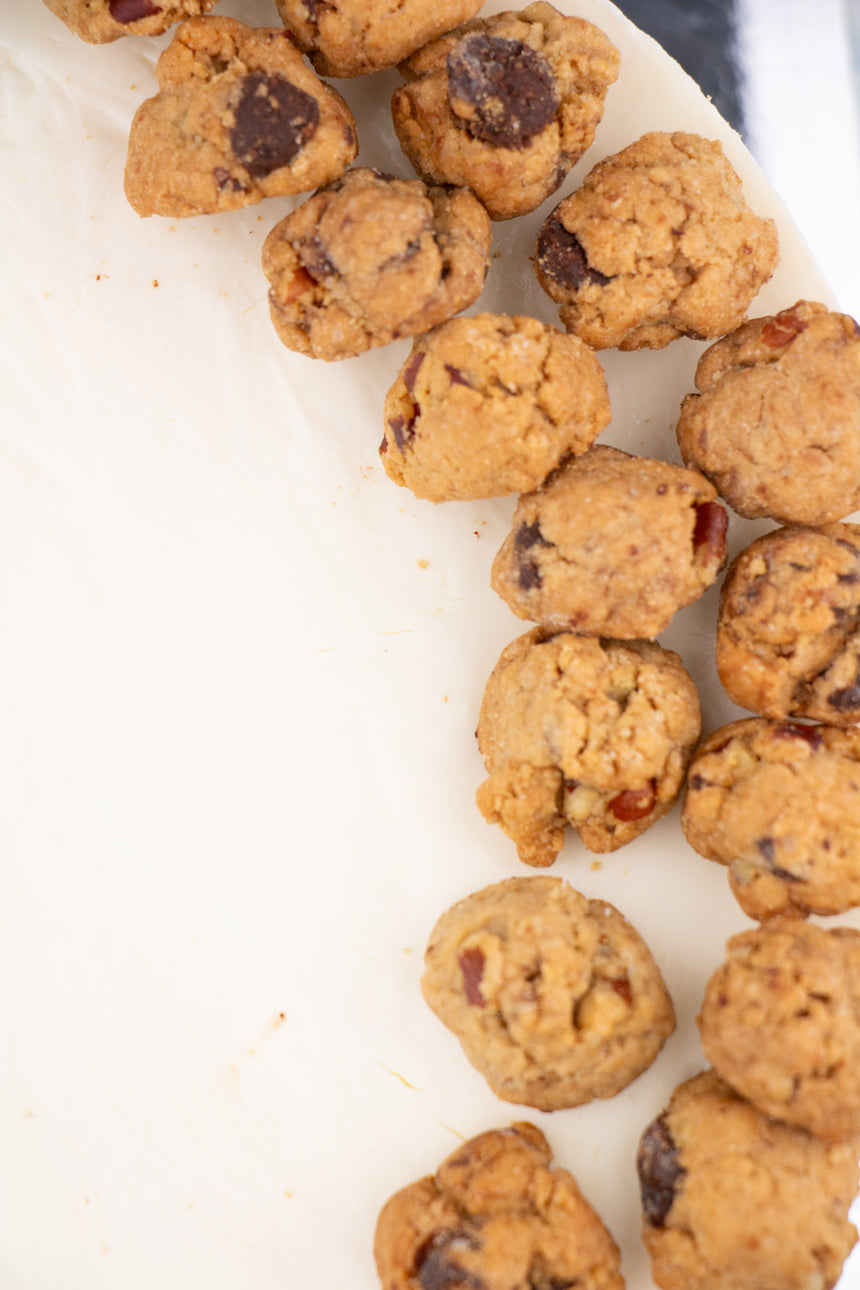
[(100, 21)]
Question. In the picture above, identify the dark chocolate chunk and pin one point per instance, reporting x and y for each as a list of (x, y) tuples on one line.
[(767, 849), (846, 699), (224, 179), (437, 1265), (526, 537), (500, 90), (411, 369), (402, 431), (561, 257), (471, 963), (659, 1171), (456, 376), (132, 10), (274, 120)]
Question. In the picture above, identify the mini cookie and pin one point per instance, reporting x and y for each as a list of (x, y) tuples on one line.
[(100, 21), (497, 1216), (505, 105), (239, 116), (612, 545), (776, 424), (779, 803), (788, 636), (657, 243), (555, 999), (371, 259), (352, 37), (734, 1200), (579, 731), (488, 405), (780, 1021)]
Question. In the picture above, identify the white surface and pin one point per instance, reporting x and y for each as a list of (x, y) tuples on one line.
[(241, 672)]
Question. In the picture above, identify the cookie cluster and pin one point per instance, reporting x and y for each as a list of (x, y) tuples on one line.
[(587, 723)]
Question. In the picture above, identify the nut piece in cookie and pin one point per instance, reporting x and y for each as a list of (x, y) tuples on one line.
[(495, 1215), (585, 732), (612, 545), (555, 998), (505, 105), (776, 424), (371, 259), (488, 405), (780, 1021), (353, 37), (239, 116), (101, 21), (788, 636), (734, 1200), (779, 803), (657, 243)]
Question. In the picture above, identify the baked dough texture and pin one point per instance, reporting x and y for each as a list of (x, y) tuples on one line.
[(555, 999), (778, 802), (776, 422), (657, 243), (488, 405), (505, 105), (788, 635), (735, 1200), (612, 545), (780, 1021), (586, 732), (239, 116), (495, 1216), (371, 259), (101, 21)]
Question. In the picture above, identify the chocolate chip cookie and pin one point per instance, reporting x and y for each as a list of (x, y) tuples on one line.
[(555, 999), (488, 405), (505, 105), (353, 37), (788, 636), (580, 731), (779, 803), (239, 116), (100, 21), (496, 1215), (734, 1200), (657, 243), (776, 424), (612, 545), (371, 259), (780, 1021)]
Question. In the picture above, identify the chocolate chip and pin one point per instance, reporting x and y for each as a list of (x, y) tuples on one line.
[(411, 369), (659, 1171), (472, 969), (526, 537), (132, 10), (847, 699), (560, 257), (316, 260), (766, 848), (225, 180), (456, 376), (709, 531), (402, 431), (436, 1266), (273, 122), (500, 90)]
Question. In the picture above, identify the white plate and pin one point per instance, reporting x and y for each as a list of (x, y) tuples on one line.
[(240, 677)]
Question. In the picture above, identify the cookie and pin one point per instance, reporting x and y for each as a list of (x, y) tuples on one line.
[(734, 1200), (611, 545), (488, 405), (498, 1216), (353, 37), (505, 105), (776, 422), (780, 1021), (101, 21), (788, 635), (778, 802), (239, 116), (657, 243), (554, 998), (371, 259), (580, 731)]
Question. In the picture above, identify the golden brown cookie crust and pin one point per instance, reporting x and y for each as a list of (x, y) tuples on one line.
[(585, 732), (239, 116), (612, 545), (788, 635), (776, 424), (657, 243), (505, 105), (487, 405), (101, 21), (371, 259), (497, 1215), (555, 999), (779, 803), (780, 1021)]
